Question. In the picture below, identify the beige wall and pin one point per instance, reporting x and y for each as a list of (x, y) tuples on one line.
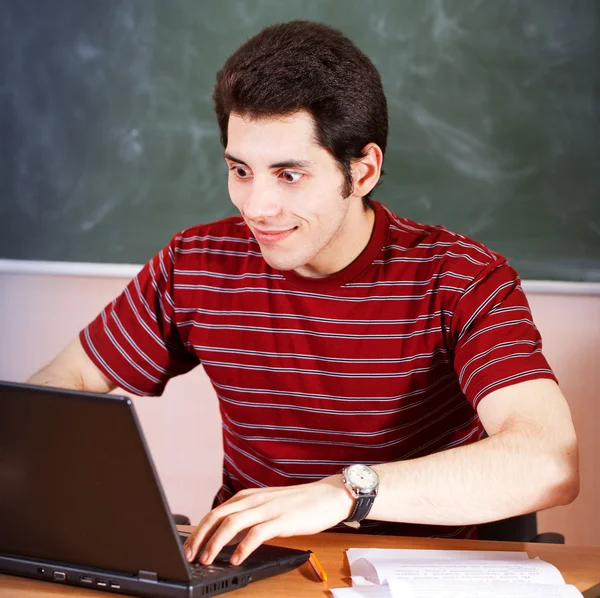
[(570, 328), (39, 314)]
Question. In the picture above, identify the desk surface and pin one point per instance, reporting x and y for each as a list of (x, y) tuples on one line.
[(579, 565)]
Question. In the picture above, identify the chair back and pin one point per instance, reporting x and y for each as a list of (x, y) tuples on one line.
[(522, 528)]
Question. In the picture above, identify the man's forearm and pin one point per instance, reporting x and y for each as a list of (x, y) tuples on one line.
[(507, 474), (52, 376), (72, 369)]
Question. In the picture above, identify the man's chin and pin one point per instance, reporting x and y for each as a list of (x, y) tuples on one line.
[(279, 262)]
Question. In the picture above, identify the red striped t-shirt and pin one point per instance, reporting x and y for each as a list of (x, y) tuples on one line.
[(383, 361)]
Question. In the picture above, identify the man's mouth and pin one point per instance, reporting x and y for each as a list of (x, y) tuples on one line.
[(272, 236)]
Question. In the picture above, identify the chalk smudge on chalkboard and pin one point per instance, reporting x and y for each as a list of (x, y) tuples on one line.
[(98, 215), (86, 50), (130, 145), (467, 153)]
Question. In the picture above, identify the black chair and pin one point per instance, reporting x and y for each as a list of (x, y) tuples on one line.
[(522, 528), (181, 519)]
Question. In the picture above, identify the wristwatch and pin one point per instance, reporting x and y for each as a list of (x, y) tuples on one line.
[(363, 483)]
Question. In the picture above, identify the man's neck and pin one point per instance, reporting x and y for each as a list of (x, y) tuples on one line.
[(348, 243)]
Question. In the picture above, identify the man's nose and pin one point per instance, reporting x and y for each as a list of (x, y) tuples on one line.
[(262, 202)]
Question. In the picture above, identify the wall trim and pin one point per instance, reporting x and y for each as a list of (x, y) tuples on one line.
[(85, 269), (69, 268)]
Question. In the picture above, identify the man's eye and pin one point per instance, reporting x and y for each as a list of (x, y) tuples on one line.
[(240, 172), (290, 176)]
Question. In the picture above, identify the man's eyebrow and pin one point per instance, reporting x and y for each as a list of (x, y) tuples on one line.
[(292, 164), (231, 158), (283, 164)]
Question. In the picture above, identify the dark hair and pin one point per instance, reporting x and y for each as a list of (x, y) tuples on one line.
[(303, 65)]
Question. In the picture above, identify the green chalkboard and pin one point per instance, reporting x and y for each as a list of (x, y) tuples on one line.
[(109, 144)]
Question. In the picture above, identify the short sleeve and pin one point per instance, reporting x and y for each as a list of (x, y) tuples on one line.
[(134, 340), (496, 342)]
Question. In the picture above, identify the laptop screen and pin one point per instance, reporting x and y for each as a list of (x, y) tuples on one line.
[(79, 486)]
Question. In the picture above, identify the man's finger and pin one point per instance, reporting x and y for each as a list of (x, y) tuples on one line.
[(207, 526), (230, 527), (243, 500), (197, 538), (257, 535)]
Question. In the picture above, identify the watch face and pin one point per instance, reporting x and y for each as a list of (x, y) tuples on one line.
[(362, 477)]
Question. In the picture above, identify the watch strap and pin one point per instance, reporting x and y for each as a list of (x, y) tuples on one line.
[(362, 507)]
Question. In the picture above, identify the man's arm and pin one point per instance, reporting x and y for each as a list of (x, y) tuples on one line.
[(529, 462), (74, 370)]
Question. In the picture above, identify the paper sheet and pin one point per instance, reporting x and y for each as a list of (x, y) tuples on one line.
[(457, 589), (515, 571), (391, 573), (397, 554), (362, 592)]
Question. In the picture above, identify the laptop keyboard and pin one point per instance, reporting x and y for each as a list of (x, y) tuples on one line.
[(200, 571)]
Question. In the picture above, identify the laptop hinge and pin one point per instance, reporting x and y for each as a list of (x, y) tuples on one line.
[(147, 576)]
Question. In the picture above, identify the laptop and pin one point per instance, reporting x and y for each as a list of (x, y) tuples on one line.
[(81, 503)]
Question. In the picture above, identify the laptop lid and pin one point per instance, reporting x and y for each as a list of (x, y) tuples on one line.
[(79, 486)]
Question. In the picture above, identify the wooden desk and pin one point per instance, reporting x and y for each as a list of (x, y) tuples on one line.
[(579, 565)]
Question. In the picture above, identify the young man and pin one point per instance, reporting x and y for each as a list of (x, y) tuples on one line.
[(335, 332)]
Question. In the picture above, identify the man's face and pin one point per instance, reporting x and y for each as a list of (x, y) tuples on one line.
[(288, 189)]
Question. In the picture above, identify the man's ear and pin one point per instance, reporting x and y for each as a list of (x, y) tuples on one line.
[(366, 171)]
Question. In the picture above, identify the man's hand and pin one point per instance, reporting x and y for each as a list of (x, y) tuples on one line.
[(265, 513)]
